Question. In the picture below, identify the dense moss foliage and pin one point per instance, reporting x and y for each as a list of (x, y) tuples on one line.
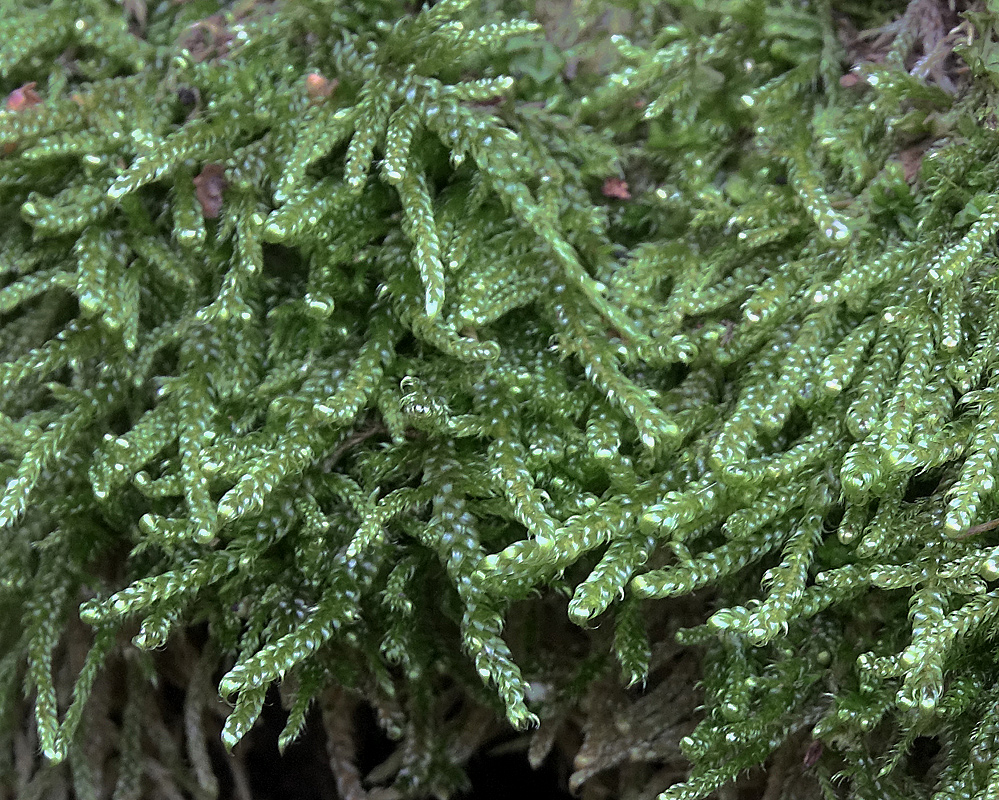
[(415, 356)]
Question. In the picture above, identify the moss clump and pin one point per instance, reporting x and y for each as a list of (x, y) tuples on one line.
[(336, 338)]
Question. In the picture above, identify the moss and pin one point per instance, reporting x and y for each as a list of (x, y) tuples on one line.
[(382, 353)]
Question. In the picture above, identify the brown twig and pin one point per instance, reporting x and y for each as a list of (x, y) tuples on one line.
[(338, 720), (974, 530)]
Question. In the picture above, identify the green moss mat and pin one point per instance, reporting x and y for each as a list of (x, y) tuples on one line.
[(416, 356)]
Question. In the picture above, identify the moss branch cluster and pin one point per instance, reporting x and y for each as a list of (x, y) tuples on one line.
[(344, 335)]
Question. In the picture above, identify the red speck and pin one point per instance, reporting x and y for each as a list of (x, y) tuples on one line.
[(617, 188), (23, 98), (849, 80), (812, 754), (319, 87), (209, 185), (18, 100)]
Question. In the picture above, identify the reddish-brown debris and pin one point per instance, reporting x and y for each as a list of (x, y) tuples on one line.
[(209, 185)]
